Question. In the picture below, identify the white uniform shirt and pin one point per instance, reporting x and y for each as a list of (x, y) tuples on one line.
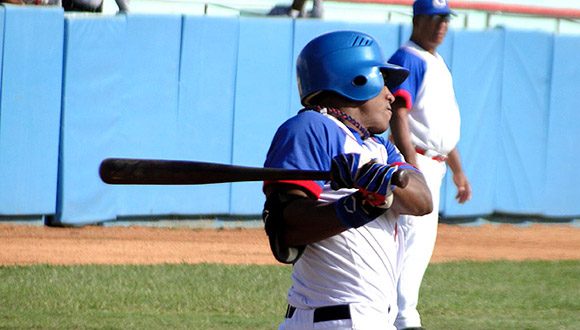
[(357, 266), (428, 92)]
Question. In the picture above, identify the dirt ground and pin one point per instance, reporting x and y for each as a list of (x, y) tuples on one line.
[(25, 244)]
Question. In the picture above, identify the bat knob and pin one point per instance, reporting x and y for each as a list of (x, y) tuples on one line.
[(400, 178)]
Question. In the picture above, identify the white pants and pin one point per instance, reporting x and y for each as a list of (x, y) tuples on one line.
[(363, 317), (420, 236)]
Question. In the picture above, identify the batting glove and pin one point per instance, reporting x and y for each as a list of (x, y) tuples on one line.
[(353, 211), (374, 183), (343, 170)]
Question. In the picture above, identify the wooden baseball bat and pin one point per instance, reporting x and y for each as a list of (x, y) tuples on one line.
[(179, 172)]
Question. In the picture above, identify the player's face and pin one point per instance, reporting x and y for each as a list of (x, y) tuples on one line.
[(375, 113), (432, 30)]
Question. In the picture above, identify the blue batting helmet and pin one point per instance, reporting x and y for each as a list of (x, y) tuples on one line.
[(349, 63)]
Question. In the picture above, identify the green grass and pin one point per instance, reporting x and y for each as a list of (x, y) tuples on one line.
[(465, 295), (502, 295)]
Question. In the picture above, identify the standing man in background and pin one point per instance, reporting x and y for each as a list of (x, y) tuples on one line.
[(425, 128)]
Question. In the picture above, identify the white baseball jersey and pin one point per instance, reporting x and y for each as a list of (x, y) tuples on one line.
[(359, 266), (428, 92), (434, 126)]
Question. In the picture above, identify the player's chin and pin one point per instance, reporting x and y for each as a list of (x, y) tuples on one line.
[(387, 117), (380, 122), (379, 129)]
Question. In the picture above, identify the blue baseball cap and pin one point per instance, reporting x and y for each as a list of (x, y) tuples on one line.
[(431, 7)]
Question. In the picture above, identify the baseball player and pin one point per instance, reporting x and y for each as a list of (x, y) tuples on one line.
[(425, 128), (342, 236)]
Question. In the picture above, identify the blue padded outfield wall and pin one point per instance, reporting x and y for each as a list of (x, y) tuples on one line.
[(78, 89), (30, 104)]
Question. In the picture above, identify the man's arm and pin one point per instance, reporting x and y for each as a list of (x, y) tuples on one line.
[(400, 131), (307, 220), (459, 177), (415, 198)]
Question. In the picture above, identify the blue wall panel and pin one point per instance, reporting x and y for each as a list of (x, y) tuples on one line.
[(477, 81), (2, 20), (523, 123), (120, 101), (562, 179), (263, 85), (149, 123), (92, 113), (5, 206), (206, 101), (30, 109)]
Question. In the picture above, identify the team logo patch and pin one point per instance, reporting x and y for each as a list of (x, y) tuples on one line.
[(350, 205), (439, 3)]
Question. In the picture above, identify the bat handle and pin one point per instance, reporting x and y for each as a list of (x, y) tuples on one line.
[(400, 178)]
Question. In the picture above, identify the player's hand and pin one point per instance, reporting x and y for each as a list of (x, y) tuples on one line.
[(343, 170), (463, 187), (374, 182)]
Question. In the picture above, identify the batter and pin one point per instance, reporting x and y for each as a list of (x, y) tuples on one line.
[(341, 236)]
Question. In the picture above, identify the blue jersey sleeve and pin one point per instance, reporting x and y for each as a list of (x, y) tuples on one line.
[(409, 88), (393, 154), (307, 141)]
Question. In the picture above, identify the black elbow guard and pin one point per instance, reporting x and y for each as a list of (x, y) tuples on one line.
[(274, 225)]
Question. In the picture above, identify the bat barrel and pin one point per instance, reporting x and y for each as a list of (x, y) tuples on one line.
[(168, 172)]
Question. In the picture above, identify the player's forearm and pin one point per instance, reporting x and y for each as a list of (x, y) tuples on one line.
[(415, 198), (401, 134), (308, 221), (454, 161)]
